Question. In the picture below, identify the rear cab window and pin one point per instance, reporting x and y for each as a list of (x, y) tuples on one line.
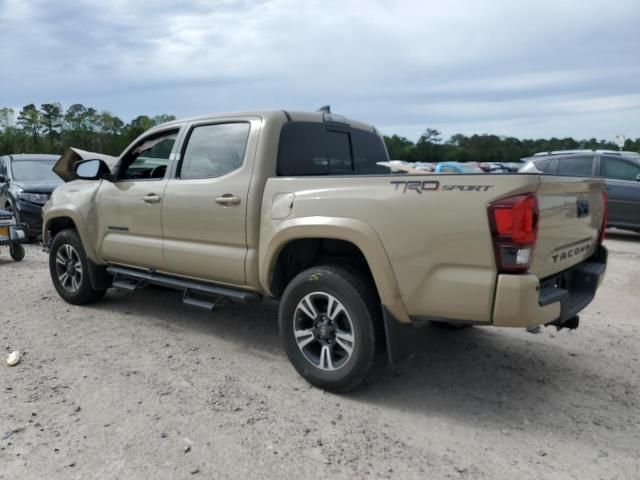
[(326, 149)]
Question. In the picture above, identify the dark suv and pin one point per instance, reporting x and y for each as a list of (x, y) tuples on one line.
[(620, 171), (26, 183)]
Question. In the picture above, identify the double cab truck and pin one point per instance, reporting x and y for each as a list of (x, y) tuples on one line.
[(295, 206)]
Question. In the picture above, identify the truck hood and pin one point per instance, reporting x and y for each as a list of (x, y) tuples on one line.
[(64, 166)]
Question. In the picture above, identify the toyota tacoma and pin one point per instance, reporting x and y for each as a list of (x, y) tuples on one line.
[(298, 206)]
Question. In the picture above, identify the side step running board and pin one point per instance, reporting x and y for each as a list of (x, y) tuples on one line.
[(131, 279)]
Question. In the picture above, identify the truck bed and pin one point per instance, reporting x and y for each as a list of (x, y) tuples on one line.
[(436, 232)]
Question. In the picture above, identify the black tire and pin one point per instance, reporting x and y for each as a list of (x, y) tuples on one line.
[(16, 250), (79, 292), (360, 316)]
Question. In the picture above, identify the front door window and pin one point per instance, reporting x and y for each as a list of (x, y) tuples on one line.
[(149, 159)]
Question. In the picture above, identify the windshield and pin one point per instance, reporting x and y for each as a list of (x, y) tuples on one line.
[(34, 170)]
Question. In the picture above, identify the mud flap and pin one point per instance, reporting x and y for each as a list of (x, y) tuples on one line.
[(400, 337), (100, 279)]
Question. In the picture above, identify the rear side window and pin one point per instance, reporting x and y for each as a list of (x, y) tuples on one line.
[(617, 169), (576, 166), (214, 150), (319, 149)]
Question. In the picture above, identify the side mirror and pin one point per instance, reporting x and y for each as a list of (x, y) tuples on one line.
[(2, 178), (91, 170)]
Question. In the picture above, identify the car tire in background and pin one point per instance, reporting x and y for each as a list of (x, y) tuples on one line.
[(69, 269), (16, 250), (328, 322)]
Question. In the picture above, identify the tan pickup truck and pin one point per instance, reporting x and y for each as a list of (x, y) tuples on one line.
[(296, 206)]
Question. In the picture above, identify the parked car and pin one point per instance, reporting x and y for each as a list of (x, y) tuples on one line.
[(294, 206), (620, 171), (500, 167), (26, 183), (402, 166), (458, 167)]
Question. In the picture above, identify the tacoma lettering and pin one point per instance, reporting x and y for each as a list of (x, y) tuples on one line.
[(570, 253)]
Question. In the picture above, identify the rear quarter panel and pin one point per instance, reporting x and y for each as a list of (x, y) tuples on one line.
[(433, 233)]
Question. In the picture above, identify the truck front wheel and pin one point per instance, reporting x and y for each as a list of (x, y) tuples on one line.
[(327, 322), (70, 271)]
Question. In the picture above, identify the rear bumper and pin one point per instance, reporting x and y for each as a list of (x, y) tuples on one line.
[(525, 301), (520, 301)]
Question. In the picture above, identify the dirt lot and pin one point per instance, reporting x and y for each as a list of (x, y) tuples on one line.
[(140, 386)]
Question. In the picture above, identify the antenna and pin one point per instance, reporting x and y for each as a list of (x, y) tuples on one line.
[(325, 109)]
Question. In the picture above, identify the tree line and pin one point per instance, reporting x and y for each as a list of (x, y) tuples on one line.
[(487, 148), (51, 129)]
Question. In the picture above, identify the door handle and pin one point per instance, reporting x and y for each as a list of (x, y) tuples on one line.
[(228, 199), (151, 198)]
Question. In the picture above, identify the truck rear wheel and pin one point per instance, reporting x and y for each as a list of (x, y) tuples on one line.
[(327, 322), (70, 270)]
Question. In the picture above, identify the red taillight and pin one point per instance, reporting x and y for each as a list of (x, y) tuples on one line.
[(605, 217), (514, 226)]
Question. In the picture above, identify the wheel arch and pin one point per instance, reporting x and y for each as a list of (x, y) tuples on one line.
[(351, 236), (67, 219)]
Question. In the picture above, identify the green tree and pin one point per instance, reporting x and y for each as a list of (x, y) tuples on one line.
[(399, 148), (30, 121), (7, 117), (163, 118), (52, 123)]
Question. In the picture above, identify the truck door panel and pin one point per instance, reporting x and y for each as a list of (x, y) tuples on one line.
[(129, 209), (204, 212)]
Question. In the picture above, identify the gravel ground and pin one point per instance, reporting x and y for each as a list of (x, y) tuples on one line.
[(141, 386)]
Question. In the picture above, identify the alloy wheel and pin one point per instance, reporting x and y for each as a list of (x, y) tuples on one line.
[(69, 268), (323, 331)]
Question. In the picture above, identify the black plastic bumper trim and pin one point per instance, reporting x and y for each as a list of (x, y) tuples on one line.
[(574, 288)]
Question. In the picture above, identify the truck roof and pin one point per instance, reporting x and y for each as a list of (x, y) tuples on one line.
[(289, 115)]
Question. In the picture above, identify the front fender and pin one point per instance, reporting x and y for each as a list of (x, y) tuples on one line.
[(361, 234), (73, 213)]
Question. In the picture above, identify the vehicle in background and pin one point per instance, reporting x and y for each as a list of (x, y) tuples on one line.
[(458, 167), (500, 167), (12, 235), (26, 183), (620, 171), (402, 166)]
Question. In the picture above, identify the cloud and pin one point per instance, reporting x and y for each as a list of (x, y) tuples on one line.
[(538, 69)]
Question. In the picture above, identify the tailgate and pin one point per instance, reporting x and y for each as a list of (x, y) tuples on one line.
[(571, 214)]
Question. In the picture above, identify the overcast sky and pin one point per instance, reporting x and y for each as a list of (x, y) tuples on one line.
[(528, 69)]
